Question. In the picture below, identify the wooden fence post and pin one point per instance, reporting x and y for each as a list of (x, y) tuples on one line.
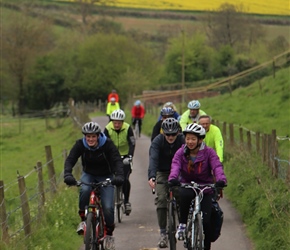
[(51, 172), (3, 215), (241, 135), (224, 129), (274, 152), (249, 143), (41, 193), (232, 139), (24, 205), (258, 142), (264, 148)]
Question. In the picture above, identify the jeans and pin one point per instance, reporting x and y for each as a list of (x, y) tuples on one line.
[(107, 196)]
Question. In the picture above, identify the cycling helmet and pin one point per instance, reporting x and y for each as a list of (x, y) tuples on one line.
[(137, 103), (91, 128), (196, 129), (118, 115), (167, 111), (194, 104), (169, 104), (170, 126)]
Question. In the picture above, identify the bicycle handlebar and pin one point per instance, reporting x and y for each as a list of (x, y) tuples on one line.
[(95, 184)]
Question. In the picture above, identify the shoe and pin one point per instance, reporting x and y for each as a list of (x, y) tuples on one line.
[(128, 208), (109, 243), (180, 233), (163, 241), (81, 228)]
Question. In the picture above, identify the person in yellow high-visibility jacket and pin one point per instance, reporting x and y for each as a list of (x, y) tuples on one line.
[(112, 106)]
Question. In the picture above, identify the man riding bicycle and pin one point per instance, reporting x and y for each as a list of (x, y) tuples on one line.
[(100, 160), (196, 162), (121, 133), (138, 113), (161, 152)]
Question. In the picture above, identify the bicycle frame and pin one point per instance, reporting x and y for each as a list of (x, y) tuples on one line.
[(194, 236)]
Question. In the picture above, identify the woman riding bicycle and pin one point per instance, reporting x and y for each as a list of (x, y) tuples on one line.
[(196, 162), (100, 160), (138, 113), (161, 152)]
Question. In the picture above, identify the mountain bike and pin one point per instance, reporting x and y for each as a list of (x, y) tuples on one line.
[(119, 203), (136, 129), (173, 216), (194, 237), (94, 231)]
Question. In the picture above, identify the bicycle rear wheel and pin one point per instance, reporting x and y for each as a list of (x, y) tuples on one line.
[(136, 130), (100, 232), (119, 204), (90, 234), (172, 226), (198, 233)]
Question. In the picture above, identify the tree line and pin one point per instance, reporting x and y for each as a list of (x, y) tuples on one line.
[(45, 64)]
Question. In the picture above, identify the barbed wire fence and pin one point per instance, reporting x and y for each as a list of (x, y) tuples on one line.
[(21, 214)]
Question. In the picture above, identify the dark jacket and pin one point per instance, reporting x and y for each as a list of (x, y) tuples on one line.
[(101, 161), (161, 154), (156, 129)]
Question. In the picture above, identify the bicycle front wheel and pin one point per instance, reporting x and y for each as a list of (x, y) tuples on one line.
[(90, 234), (198, 233), (171, 226)]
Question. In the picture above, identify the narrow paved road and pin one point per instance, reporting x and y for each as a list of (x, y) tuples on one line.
[(139, 231)]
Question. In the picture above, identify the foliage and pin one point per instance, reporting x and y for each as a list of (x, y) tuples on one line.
[(262, 200)]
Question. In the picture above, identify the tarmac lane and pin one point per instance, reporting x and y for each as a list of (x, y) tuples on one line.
[(139, 230)]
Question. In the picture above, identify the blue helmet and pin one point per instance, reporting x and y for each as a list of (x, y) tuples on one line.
[(194, 104), (167, 111), (137, 103)]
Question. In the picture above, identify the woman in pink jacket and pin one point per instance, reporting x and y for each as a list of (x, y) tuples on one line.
[(194, 161)]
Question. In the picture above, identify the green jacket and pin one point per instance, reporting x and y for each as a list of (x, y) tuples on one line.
[(123, 139), (214, 139), (111, 108), (185, 119)]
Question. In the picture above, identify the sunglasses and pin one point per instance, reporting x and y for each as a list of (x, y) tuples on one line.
[(175, 134)]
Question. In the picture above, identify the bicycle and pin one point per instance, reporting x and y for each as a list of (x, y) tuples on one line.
[(136, 128), (94, 231), (119, 204), (194, 237), (172, 216)]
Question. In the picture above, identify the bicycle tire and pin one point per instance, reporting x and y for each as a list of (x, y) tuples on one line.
[(198, 233), (136, 130), (90, 234), (100, 232), (120, 204), (171, 226)]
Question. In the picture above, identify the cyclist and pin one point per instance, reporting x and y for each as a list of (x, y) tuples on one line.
[(138, 113), (192, 114), (171, 105), (164, 113), (100, 160), (113, 94), (161, 152), (194, 161), (121, 133), (214, 138), (111, 106)]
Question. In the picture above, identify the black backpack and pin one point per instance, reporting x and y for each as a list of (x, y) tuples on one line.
[(217, 218)]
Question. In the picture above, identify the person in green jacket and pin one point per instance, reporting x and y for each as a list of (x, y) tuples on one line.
[(213, 138), (122, 135), (111, 106), (192, 114)]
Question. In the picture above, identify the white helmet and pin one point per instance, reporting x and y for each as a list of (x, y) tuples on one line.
[(118, 115), (194, 104), (196, 129)]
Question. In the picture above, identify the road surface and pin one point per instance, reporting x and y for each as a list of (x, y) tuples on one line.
[(139, 231)]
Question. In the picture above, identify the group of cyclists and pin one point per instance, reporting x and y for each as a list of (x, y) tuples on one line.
[(179, 153)]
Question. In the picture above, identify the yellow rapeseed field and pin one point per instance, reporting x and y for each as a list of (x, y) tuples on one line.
[(268, 7)]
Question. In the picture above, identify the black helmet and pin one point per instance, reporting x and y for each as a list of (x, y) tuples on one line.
[(91, 128), (167, 111), (170, 126)]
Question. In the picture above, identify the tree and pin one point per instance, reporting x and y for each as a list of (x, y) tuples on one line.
[(229, 25), (23, 39)]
